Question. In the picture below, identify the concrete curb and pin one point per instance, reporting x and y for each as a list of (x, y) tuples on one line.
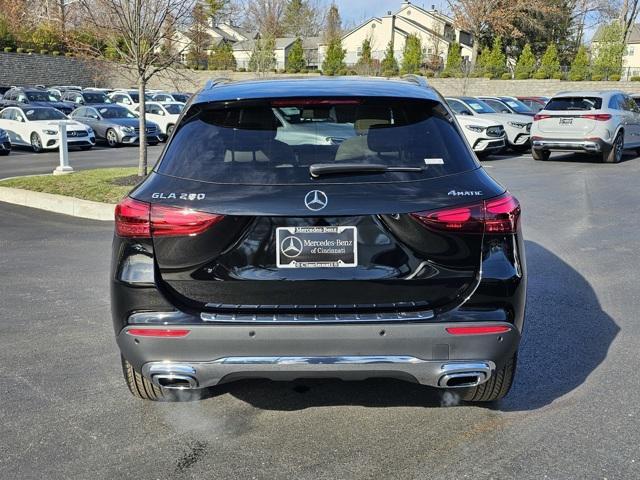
[(75, 207)]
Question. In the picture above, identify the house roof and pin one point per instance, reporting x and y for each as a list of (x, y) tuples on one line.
[(282, 42), (634, 34)]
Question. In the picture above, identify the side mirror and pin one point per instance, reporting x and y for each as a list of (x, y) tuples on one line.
[(504, 110), (465, 112)]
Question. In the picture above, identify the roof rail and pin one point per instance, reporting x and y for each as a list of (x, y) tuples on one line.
[(417, 79), (216, 81)]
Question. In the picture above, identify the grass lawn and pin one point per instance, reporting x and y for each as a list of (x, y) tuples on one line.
[(107, 185)]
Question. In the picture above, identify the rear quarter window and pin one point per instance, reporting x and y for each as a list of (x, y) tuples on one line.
[(275, 141), (574, 103)]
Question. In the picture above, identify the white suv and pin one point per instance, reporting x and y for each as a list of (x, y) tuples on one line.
[(486, 137), (601, 123)]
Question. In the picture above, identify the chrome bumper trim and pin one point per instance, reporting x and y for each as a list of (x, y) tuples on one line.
[(568, 145), (426, 372), (418, 315)]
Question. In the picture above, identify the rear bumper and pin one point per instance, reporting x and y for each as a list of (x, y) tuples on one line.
[(568, 145), (423, 353)]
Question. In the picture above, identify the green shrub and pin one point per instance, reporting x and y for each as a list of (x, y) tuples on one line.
[(526, 64), (597, 77), (20, 50), (558, 76), (429, 73), (506, 76), (412, 54), (55, 53), (30, 51), (352, 72), (615, 77), (549, 63), (68, 54), (522, 76), (8, 49), (242, 69), (44, 52), (580, 65), (389, 63), (488, 76), (342, 72), (635, 78), (304, 70), (539, 75), (333, 61), (444, 74), (389, 73)]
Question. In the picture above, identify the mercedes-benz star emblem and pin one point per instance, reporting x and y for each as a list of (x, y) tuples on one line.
[(316, 200), (291, 247)]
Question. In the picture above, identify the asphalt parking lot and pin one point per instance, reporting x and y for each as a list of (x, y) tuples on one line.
[(22, 161), (572, 414)]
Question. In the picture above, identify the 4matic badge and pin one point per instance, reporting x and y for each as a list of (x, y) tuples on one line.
[(180, 196), (464, 193)]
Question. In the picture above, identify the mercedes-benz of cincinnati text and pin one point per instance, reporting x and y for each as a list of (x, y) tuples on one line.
[(309, 228)]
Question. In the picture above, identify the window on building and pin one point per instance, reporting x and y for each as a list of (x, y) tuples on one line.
[(630, 50)]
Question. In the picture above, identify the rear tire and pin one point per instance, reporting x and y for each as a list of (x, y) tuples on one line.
[(615, 154), (141, 387), (4, 153), (496, 387), (169, 132), (542, 155)]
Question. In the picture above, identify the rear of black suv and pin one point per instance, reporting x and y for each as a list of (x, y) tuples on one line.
[(304, 228)]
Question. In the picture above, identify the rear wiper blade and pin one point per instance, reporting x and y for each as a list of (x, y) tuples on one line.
[(320, 169)]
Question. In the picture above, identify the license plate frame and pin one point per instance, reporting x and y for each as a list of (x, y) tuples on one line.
[(317, 247)]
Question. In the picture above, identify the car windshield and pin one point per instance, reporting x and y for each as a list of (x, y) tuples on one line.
[(40, 97), (574, 103), (34, 114), (116, 112), (478, 106), (246, 142), (174, 108), (517, 106), (95, 97)]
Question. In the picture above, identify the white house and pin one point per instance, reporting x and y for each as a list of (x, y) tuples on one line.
[(435, 29)]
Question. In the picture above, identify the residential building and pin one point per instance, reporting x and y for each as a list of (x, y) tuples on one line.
[(435, 29)]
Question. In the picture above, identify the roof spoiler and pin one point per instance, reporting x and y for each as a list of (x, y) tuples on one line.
[(416, 79), (214, 82)]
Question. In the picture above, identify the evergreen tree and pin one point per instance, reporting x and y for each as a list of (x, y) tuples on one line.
[(200, 40), (333, 24), (497, 61), (526, 64), (482, 62), (222, 58), (453, 67), (365, 62), (608, 52), (389, 63), (549, 64), (412, 55), (295, 59), (300, 19), (333, 63), (580, 66)]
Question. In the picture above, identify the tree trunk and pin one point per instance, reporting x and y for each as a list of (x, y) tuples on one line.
[(142, 159)]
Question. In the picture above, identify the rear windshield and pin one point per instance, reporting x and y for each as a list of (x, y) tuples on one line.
[(276, 141), (574, 103), (95, 97)]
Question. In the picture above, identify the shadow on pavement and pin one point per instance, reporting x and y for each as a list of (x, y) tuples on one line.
[(566, 336)]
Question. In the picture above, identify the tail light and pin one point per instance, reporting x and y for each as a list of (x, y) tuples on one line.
[(498, 215), (600, 117), (135, 219), (541, 116)]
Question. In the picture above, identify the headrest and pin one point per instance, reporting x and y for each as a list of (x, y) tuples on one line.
[(386, 138), (369, 115)]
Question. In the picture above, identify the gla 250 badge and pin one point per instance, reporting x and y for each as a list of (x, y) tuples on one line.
[(179, 196)]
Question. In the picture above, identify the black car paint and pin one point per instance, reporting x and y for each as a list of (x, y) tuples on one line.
[(230, 268)]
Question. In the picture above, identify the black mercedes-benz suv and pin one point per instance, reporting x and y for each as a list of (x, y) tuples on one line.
[(318, 227)]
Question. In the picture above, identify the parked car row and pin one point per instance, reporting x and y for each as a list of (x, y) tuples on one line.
[(31, 116)]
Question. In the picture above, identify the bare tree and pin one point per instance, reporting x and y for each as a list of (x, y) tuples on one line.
[(628, 14), (266, 15), (136, 30)]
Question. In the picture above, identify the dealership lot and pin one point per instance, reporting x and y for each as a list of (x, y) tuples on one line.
[(571, 414)]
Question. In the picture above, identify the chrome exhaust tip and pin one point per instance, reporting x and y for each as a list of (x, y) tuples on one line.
[(464, 375), (173, 376), (174, 382)]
